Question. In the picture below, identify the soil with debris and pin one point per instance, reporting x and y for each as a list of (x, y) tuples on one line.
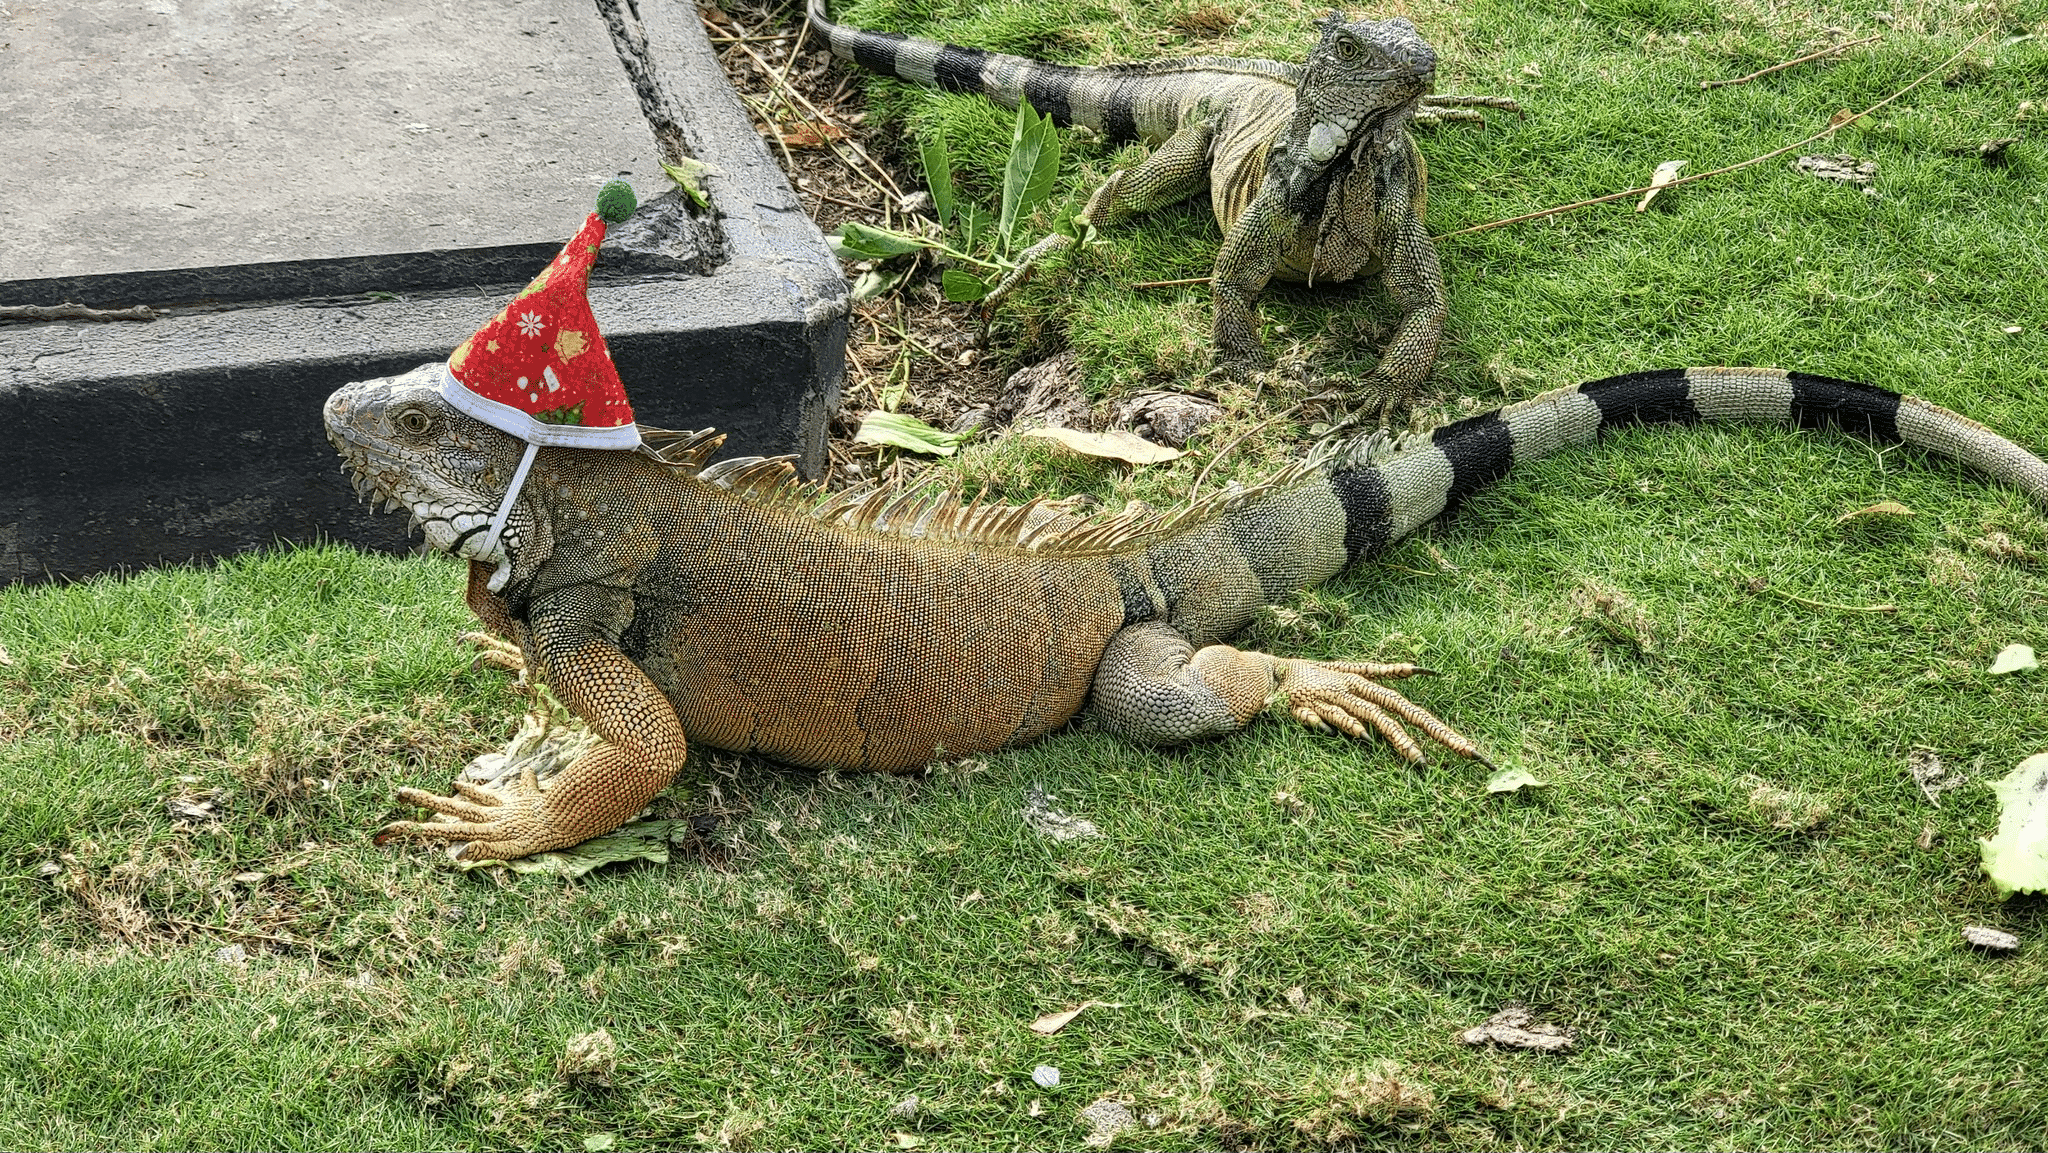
[(911, 343)]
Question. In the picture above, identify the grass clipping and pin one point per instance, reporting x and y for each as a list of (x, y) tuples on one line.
[(549, 740)]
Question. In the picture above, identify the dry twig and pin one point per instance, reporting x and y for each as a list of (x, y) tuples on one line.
[(1787, 64), (1833, 126)]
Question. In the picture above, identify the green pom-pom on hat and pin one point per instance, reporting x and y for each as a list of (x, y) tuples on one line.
[(615, 202)]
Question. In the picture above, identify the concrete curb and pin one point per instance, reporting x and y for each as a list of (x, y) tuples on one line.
[(198, 435)]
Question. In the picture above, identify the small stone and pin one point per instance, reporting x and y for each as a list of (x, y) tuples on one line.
[(1996, 940), (1046, 1076), (972, 420), (231, 955)]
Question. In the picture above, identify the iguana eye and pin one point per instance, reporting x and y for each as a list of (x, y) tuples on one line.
[(414, 421), (1347, 49)]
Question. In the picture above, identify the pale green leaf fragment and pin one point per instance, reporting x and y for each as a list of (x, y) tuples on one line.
[(639, 841), (2013, 659), (1665, 174), (599, 1142), (898, 430), (689, 176), (876, 282), (1513, 781), (2016, 859), (1116, 444)]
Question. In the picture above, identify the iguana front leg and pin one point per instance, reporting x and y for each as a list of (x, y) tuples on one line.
[(1154, 686), (1416, 282), (498, 644), (1244, 266), (643, 750), (1176, 170)]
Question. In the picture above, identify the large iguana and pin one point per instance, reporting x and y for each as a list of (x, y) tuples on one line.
[(666, 601), (1309, 167)]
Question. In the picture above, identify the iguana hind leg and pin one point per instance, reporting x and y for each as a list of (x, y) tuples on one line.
[(643, 750), (1155, 686), (1176, 170)]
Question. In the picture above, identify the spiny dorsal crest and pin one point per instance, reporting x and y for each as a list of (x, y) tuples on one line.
[(926, 508)]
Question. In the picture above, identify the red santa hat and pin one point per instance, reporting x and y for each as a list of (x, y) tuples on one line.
[(540, 369)]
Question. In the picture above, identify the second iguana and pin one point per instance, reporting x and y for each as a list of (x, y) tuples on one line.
[(1309, 167)]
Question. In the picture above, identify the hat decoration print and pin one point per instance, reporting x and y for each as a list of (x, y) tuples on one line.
[(540, 369)]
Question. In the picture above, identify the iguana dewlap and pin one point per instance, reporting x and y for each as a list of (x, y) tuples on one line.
[(666, 601), (1308, 167)]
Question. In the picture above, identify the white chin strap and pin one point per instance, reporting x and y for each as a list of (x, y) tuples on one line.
[(490, 543)]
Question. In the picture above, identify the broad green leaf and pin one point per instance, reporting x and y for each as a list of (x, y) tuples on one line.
[(938, 176), (1033, 166), (2016, 859), (1115, 444), (1513, 781), (962, 287), (864, 242), (973, 223), (906, 432), (2014, 659)]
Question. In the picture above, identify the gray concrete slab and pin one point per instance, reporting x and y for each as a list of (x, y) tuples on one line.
[(198, 434), (152, 134)]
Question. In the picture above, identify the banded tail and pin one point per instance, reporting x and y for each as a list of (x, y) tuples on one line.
[(1123, 102), (1305, 528), (1386, 500)]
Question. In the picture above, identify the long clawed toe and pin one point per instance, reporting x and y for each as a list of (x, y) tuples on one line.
[(1346, 696)]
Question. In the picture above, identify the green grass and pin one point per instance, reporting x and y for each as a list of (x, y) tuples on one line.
[(1724, 889)]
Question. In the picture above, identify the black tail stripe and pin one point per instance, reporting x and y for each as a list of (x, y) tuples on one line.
[(1820, 402), (1480, 449), (1120, 111), (1050, 90), (876, 51), (1661, 396), (1368, 511), (959, 69)]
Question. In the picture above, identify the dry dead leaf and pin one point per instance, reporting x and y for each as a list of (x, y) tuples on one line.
[(1052, 1023), (1665, 174), (812, 135), (1985, 937), (1883, 508), (1113, 445), (1840, 167), (1516, 1028)]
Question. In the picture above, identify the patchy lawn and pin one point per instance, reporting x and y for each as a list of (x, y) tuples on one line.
[(1731, 890)]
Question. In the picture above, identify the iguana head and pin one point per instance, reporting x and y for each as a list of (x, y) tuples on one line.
[(406, 447), (1363, 78)]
